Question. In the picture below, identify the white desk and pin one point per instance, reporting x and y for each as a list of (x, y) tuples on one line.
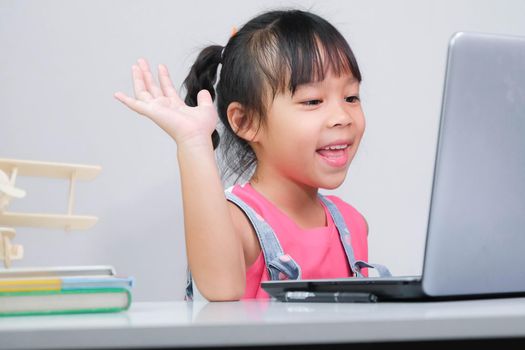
[(200, 324)]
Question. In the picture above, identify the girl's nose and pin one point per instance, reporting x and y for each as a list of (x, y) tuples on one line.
[(339, 116)]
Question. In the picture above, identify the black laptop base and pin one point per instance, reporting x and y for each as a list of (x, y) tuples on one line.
[(373, 290)]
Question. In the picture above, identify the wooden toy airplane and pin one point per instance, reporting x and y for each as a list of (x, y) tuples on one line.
[(9, 170)]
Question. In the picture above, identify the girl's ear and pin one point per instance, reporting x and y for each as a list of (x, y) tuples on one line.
[(241, 123)]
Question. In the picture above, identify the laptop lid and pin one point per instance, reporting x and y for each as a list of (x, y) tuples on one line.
[(476, 231)]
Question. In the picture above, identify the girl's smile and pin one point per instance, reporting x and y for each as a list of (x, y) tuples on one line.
[(335, 154)]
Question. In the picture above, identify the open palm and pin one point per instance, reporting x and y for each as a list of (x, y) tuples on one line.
[(164, 106)]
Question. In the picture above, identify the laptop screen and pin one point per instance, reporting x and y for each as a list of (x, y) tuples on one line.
[(476, 231)]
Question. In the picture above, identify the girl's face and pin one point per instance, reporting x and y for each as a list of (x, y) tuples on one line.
[(310, 138)]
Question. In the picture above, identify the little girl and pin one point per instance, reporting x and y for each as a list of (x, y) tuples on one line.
[(288, 100)]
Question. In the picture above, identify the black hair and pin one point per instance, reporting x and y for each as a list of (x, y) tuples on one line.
[(273, 52)]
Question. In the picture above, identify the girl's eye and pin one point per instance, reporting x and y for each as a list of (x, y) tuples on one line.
[(311, 102), (352, 99)]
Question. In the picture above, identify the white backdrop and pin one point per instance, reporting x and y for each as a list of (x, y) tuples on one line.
[(62, 60)]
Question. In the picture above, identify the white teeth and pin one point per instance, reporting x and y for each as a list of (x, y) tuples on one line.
[(336, 147)]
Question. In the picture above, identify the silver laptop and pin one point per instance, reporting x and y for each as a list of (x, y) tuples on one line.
[(475, 245)]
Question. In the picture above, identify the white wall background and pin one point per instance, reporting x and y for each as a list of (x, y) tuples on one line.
[(61, 61)]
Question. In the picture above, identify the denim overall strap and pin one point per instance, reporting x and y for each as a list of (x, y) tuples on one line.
[(189, 286), (279, 265), (345, 236)]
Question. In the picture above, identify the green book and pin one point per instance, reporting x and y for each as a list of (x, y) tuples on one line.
[(68, 301)]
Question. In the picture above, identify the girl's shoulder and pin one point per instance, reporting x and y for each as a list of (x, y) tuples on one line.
[(342, 204), (349, 212), (245, 193)]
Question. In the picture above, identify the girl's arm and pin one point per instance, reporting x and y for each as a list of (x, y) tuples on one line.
[(213, 246)]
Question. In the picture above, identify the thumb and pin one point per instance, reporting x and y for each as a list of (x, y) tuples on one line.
[(204, 98)]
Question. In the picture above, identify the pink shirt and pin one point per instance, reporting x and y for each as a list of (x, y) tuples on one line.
[(318, 251)]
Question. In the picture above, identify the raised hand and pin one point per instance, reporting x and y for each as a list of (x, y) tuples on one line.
[(164, 106)]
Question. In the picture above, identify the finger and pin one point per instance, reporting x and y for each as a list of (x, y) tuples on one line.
[(151, 86), (167, 86), (139, 86), (136, 105), (204, 98)]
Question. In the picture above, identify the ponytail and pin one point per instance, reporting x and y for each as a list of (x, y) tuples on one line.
[(203, 75)]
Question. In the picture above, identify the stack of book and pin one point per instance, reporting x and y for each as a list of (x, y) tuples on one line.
[(63, 290)]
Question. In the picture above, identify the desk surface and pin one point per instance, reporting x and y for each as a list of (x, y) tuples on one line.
[(201, 324)]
